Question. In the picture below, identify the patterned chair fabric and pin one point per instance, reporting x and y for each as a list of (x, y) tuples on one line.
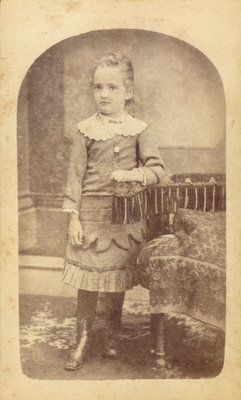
[(185, 271)]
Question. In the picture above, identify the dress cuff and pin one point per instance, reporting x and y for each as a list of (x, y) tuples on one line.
[(70, 204), (144, 176), (151, 178), (70, 210)]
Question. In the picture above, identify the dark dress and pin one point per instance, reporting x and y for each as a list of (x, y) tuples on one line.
[(106, 261)]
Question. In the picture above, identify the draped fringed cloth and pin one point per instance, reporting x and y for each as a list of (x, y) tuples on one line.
[(131, 203), (185, 271)]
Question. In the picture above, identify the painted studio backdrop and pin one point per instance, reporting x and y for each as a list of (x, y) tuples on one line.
[(179, 94)]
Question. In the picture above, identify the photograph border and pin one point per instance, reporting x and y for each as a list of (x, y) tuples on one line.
[(213, 27)]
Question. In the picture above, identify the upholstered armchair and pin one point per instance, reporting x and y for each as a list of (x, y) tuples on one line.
[(185, 273), (183, 263)]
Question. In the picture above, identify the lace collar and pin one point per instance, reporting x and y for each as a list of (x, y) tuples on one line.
[(101, 129)]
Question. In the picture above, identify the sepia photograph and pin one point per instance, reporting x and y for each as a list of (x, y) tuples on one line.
[(121, 179), (120, 132)]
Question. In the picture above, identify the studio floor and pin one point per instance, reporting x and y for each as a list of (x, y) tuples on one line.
[(193, 350)]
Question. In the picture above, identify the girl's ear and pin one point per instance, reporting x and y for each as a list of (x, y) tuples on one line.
[(129, 92)]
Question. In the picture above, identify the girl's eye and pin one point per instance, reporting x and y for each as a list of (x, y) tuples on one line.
[(112, 87), (97, 87)]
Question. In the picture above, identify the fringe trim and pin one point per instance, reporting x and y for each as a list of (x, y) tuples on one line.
[(131, 206), (102, 280)]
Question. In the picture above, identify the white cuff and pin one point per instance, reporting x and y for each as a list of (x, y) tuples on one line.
[(71, 210), (144, 177)]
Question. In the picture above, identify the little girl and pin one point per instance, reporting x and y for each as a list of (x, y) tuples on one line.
[(110, 146)]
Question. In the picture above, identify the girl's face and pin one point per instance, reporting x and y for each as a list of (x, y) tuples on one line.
[(110, 92)]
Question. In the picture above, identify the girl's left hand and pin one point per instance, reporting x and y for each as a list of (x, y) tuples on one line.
[(121, 175)]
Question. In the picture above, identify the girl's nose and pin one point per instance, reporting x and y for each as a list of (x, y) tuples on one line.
[(104, 92)]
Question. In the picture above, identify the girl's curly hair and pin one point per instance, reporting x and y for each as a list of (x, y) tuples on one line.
[(117, 60)]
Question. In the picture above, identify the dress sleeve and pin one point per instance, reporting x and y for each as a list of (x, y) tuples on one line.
[(151, 160), (76, 174)]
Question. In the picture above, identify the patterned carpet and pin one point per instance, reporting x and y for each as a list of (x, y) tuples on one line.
[(193, 349)]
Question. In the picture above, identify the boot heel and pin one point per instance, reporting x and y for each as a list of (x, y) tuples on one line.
[(110, 350)]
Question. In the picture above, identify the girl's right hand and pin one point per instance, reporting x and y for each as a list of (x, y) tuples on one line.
[(75, 232)]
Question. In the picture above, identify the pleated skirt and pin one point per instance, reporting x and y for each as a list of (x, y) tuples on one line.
[(106, 262)]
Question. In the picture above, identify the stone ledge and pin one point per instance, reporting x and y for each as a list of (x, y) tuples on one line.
[(41, 262)]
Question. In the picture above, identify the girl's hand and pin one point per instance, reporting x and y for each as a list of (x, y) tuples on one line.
[(75, 233), (121, 175)]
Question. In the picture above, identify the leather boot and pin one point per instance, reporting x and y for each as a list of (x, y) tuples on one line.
[(86, 309), (78, 356), (112, 324)]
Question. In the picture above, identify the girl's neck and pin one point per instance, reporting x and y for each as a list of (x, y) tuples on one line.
[(120, 117)]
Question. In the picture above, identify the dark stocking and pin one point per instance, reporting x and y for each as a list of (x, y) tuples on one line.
[(114, 304)]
